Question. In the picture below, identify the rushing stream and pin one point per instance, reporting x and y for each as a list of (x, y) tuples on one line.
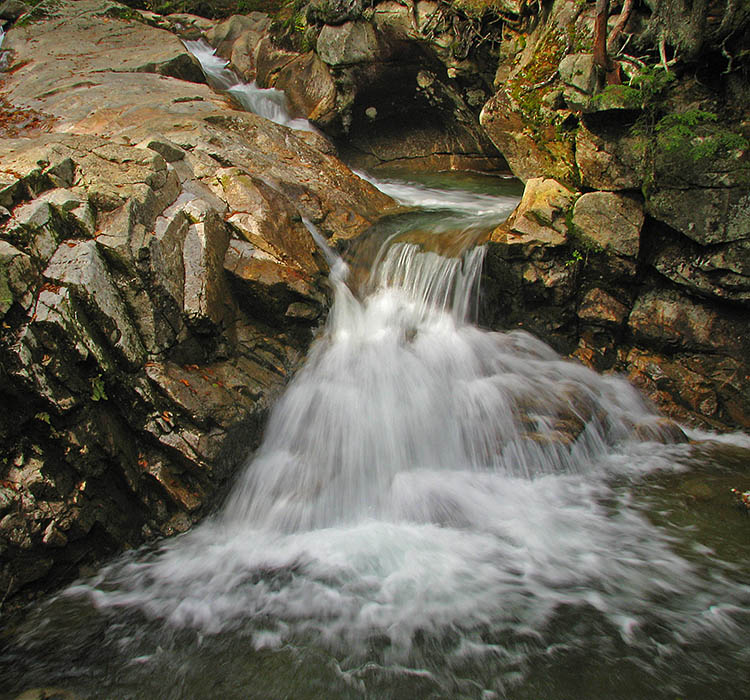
[(436, 511)]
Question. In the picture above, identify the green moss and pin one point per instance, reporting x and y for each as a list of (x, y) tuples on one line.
[(695, 135), (122, 12), (41, 9), (290, 27), (477, 9), (528, 90), (579, 40), (6, 296)]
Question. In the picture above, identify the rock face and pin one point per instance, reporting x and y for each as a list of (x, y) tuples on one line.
[(571, 268), (157, 286), (648, 274), (381, 82)]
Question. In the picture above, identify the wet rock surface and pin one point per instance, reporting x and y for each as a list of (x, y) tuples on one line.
[(157, 286), (571, 269)]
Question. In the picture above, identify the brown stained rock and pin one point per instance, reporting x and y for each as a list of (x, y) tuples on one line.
[(242, 59), (597, 345), (269, 60), (672, 320), (661, 430), (200, 395), (267, 288), (600, 308), (185, 498), (268, 221), (695, 389), (610, 221)]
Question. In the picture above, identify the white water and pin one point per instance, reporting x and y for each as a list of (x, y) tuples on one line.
[(413, 194), (268, 103), (405, 490), (414, 508)]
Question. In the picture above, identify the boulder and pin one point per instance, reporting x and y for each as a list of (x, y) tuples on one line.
[(696, 389), (309, 88), (11, 10), (610, 221), (205, 294), (79, 265), (609, 158), (598, 307), (530, 152), (578, 70), (266, 220), (334, 12), (351, 42), (539, 220), (269, 60), (268, 289), (705, 215), (224, 34), (721, 272)]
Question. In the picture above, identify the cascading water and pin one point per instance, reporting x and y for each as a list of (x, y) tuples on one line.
[(421, 521), (436, 511), (265, 102)]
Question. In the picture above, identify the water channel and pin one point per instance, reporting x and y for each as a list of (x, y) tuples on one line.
[(408, 529)]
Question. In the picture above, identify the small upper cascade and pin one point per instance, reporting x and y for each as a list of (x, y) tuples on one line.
[(414, 194), (265, 102)]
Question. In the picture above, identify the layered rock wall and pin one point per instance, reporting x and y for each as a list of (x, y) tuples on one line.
[(158, 284), (652, 277)]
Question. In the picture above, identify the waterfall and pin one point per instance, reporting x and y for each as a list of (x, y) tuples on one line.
[(436, 510), (422, 476)]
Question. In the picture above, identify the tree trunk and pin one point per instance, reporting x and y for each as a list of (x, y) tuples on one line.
[(601, 58)]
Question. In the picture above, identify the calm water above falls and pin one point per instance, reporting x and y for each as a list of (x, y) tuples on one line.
[(436, 511)]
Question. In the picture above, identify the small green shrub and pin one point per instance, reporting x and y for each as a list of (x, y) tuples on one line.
[(97, 389)]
